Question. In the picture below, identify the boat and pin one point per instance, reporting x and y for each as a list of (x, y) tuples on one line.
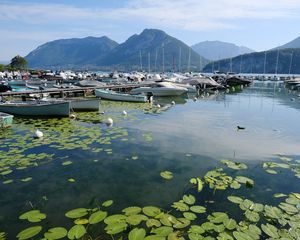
[(117, 96), (160, 89), (5, 120), (79, 104), (36, 108)]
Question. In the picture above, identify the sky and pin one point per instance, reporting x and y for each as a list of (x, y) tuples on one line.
[(257, 24)]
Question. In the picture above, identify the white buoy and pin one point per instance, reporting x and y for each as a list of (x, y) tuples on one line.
[(124, 113), (109, 121), (101, 112), (173, 102), (158, 105), (195, 99), (73, 116), (38, 134)]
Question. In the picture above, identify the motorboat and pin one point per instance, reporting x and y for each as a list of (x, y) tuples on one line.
[(117, 96), (161, 89), (6, 120)]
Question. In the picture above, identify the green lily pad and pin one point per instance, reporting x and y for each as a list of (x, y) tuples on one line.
[(131, 210), (153, 223), (198, 209), (252, 216), (76, 232), (137, 234), (116, 227), (235, 199), (230, 224), (116, 218), (29, 232), (155, 237), (107, 203), (162, 231), (66, 163), (26, 179), (175, 236), (189, 199), (151, 211), (270, 230), (166, 175), (77, 213), (136, 219), (33, 216), (81, 221), (97, 217), (181, 206), (190, 216), (182, 223), (56, 233)]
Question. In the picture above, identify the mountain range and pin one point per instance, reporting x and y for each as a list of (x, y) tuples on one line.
[(152, 47), (216, 50)]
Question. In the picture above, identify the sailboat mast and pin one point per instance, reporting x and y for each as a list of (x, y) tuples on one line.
[(163, 49), (265, 62), (277, 59), (241, 63), (189, 60), (290, 68), (179, 60), (141, 64), (149, 62)]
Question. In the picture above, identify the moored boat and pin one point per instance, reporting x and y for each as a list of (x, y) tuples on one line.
[(79, 104), (36, 108), (161, 89), (116, 96), (6, 120)]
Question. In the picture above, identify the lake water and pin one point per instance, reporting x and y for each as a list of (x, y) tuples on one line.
[(83, 162)]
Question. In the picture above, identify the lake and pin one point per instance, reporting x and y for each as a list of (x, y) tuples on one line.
[(82, 162)]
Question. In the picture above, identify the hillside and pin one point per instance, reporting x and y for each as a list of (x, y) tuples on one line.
[(292, 44), (69, 53), (288, 61), (105, 54), (216, 50)]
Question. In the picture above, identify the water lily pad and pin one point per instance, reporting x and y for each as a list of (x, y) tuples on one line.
[(116, 218), (182, 223), (33, 216), (97, 217), (235, 199), (189, 199), (137, 234), (175, 236), (8, 181), (153, 223), (155, 237), (26, 179), (270, 230), (76, 232), (151, 211), (77, 213), (181, 206), (166, 175), (252, 216), (271, 171), (162, 231), (81, 221), (190, 216), (198, 209), (167, 219), (230, 224), (136, 219), (132, 210), (116, 227), (66, 163), (72, 180), (56, 233), (245, 180), (107, 203), (29, 232)]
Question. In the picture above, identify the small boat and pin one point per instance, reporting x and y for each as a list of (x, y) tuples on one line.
[(117, 96), (36, 108), (79, 104), (5, 120), (161, 89)]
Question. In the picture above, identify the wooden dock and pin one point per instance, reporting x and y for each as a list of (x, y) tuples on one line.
[(63, 92)]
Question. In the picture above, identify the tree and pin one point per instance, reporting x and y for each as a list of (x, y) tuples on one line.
[(18, 62)]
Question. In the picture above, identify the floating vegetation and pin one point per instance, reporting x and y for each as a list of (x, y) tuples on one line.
[(166, 175), (33, 216)]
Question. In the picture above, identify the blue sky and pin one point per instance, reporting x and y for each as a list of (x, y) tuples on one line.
[(257, 24)]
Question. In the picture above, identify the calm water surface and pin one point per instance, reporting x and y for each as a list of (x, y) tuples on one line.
[(123, 162)]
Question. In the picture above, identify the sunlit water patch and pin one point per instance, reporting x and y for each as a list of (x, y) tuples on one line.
[(199, 151)]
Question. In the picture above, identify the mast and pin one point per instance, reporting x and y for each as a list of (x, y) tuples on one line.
[(265, 62), (189, 61), (148, 62), (179, 60), (155, 62), (141, 63), (276, 68), (163, 49), (200, 63), (241, 61), (290, 68), (230, 70)]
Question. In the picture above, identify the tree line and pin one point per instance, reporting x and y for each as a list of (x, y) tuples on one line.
[(16, 63)]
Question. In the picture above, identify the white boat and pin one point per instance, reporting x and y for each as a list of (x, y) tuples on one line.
[(161, 89), (112, 95), (36, 108), (78, 104)]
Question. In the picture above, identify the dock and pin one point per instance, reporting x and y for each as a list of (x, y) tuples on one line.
[(82, 91)]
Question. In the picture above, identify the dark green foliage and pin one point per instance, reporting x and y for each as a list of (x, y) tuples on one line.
[(18, 62)]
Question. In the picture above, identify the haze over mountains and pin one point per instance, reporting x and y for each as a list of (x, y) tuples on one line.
[(152, 47), (216, 50), (161, 52)]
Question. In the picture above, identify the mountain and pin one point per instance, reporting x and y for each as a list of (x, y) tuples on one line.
[(69, 53), (164, 52), (292, 44), (260, 62), (215, 50)]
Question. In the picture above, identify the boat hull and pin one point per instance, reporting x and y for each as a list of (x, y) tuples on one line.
[(119, 96), (56, 109), (6, 120), (159, 92), (84, 104)]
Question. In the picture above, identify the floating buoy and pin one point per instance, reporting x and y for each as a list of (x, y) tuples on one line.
[(124, 113), (195, 99), (158, 105), (173, 103), (101, 112), (292, 99), (72, 116), (38, 134), (227, 90), (240, 128), (109, 121)]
